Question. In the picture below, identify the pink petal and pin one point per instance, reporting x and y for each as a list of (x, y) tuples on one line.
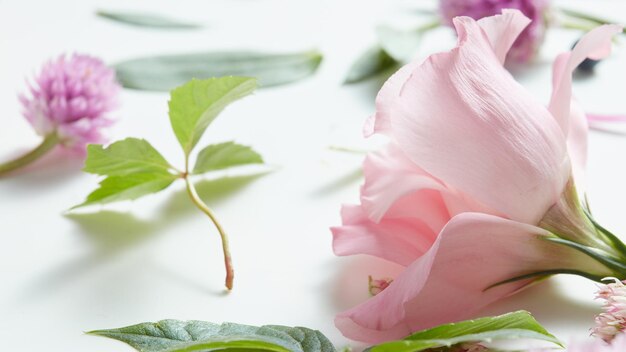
[(385, 100), (577, 144), (595, 45), (389, 176), (606, 118), (399, 240), (448, 282), (462, 118), (503, 30)]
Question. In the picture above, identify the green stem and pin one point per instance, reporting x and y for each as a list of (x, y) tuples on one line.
[(46, 145), (578, 26), (230, 273), (587, 17)]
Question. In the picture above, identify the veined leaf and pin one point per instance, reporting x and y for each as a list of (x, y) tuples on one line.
[(128, 187), (186, 336), (163, 73), (371, 63), (225, 155), (146, 20), (128, 156), (194, 105), (516, 325)]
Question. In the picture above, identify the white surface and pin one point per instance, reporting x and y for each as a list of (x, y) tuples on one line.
[(159, 257)]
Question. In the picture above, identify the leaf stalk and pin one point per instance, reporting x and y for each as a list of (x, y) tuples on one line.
[(228, 262)]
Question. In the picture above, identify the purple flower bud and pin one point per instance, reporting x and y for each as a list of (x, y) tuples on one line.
[(527, 44), (72, 96)]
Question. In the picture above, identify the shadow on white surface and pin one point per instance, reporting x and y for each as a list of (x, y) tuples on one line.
[(340, 183), (112, 234)]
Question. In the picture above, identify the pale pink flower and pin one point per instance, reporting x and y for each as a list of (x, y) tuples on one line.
[(612, 321), (529, 40), (474, 187)]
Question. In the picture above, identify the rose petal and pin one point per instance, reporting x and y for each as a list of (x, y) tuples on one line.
[(448, 283), (379, 123), (577, 144), (399, 240), (462, 118), (389, 176), (594, 45), (502, 30)]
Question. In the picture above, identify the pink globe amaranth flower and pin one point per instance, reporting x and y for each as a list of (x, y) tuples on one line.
[(474, 195), (529, 40), (612, 321), (72, 97)]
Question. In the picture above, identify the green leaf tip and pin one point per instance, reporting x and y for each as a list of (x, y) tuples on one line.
[(373, 62), (194, 105), (186, 336), (147, 20)]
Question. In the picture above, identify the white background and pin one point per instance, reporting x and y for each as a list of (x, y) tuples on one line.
[(158, 257)]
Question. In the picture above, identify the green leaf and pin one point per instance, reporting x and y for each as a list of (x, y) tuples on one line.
[(162, 73), (194, 105), (516, 325), (401, 45), (133, 169), (128, 156), (179, 336), (145, 20), (225, 155), (128, 187), (371, 63)]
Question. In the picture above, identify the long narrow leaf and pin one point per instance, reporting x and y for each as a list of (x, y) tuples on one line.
[(162, 73)]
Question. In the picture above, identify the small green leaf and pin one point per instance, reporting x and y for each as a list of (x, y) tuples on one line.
[(186, 336), (133, 169), (516, 325), (194, 105), (163, 73), (225, 155), (128, 156), (128, 187), (146, 20), (373, 62)]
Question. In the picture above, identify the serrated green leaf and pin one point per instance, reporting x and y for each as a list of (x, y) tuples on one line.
[(163, 73), (146, 20), (516, 325), (373, 62), (194, 105), (125, 157), (128, 187), (186, 336), (225, 155)]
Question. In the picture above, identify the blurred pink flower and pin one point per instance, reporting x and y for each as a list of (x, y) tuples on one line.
[(475, 187), (529, 40), (612, 321), (72, 97)]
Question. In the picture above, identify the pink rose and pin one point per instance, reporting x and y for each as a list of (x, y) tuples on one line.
[(474, 195)]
